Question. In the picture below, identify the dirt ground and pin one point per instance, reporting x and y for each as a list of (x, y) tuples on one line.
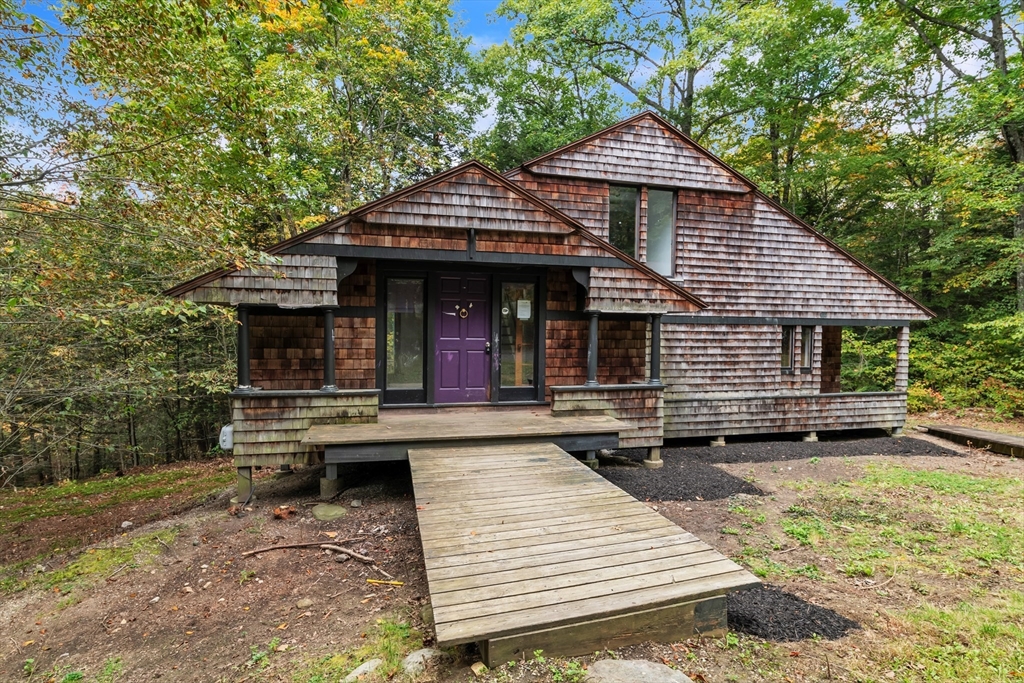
[(187, 606)]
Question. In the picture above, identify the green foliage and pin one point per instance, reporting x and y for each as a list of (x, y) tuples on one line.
[(390, 640), (869, 359)]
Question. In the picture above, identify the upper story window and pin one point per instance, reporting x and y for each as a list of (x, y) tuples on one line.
[(623, 215), (661, 206), (625, 224)]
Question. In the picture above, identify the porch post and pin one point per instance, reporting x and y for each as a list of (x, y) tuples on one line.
[(244, 383), (329, 380), (902, 358), (592, 351), (656, 348), (902, 370)]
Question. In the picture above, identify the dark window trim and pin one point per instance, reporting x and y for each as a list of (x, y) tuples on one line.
[(674, 226), (389, 396), (503, 395), (790, 332), (806, 369), (636, 216), (425, 398)]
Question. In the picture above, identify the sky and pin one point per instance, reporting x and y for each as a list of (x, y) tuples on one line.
[(480, 23)]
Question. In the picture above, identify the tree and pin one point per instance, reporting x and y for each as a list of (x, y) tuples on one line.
[(537, 105), (654, 51), (979, 43)]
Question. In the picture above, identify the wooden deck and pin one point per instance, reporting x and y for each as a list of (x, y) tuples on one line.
[(394, 434), (1007, 444), (528, 549)]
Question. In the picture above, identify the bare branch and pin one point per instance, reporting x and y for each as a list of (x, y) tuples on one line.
[(948, 24)]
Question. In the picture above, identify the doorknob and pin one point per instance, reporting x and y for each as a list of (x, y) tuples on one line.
[(487, 348)]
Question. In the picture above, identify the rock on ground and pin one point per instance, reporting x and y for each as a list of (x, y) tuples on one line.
[(633, 671), (364, 669), (416, 662)]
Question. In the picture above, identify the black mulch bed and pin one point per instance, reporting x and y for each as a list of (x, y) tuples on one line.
[(773, 614), (690, 473), (678, 480)]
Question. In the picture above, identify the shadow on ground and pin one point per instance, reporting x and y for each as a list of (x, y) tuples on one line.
[(773, 614)]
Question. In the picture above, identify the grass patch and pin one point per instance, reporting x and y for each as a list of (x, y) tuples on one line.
[(966, 642), (99, 563), (83, 498), (389, 640)]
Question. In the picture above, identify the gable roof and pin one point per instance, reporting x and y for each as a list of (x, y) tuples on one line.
[(643, 149), (594, 148), (436, 202)]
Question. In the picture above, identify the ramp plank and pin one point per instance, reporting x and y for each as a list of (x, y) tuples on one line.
[(524, 544)]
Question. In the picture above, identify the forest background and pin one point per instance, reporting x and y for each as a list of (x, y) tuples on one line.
[(147, 141)]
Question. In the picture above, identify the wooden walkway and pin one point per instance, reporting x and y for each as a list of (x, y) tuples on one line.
[(1007, 444), (528, 549), (391, 437)]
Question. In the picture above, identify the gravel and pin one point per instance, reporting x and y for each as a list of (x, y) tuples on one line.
[(773, 614), (690, 473)]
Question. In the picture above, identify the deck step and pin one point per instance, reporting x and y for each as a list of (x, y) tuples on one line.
[(1007, 444), (528, 549)]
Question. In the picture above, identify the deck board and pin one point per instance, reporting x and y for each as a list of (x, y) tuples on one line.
[(462, 426), (1007, 444), (524, 539)]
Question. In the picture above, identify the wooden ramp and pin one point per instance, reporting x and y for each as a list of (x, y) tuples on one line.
[(1007, 444), (394, 434), (528, 549)]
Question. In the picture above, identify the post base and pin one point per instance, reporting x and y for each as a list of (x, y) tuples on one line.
[(897, 431), (719, 441), (329, 488), (653, 464), (811, 437), (592, 464)]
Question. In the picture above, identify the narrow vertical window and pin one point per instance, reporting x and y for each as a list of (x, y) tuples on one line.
[(518, 332), (405, 334), (806, 346), (622, 212), (788, 333), (661, 231)]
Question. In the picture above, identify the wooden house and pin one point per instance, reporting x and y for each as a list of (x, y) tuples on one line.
[(630, 273), (627, 288)]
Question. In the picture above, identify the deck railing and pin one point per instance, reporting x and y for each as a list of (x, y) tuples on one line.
[(269, 425), (640, 405)]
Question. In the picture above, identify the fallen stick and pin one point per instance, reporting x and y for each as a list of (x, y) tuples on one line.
[(350, 553), (378, 582), (286, 546)]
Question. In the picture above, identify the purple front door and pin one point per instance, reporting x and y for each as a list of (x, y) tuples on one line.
[(462, 357)]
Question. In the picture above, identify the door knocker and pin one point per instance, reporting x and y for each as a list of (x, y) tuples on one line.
[(463, 313)]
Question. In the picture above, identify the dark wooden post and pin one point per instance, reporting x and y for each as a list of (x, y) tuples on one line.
[(592, 351), (244, 383), (329, 380), (656, 348)]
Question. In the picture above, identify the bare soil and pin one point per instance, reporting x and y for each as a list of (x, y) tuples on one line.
[(199, 611)]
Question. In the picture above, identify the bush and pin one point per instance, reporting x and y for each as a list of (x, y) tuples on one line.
[(921, 399)]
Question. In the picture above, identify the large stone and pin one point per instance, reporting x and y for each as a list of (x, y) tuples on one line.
[(416, 662), (328, 513), (362, 671), (633, 671)]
